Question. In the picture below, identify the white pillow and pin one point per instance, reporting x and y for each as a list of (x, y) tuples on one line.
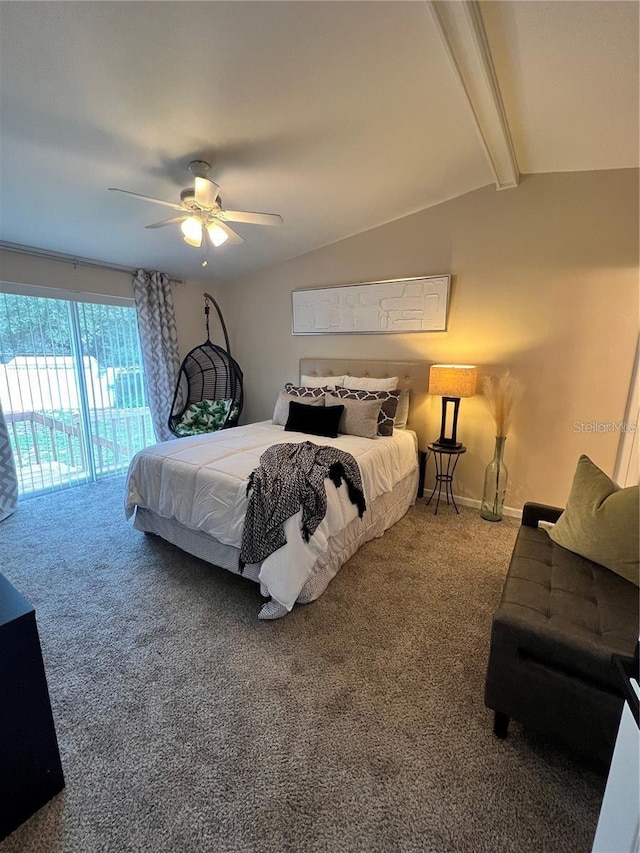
[(402, 412), (369, 383), (281, 411), (321, 381)]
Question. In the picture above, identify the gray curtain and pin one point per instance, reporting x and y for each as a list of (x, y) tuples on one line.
[(159, 340), (8, 477)]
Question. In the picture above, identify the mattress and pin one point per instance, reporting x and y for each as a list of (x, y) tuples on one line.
[(192, 492)]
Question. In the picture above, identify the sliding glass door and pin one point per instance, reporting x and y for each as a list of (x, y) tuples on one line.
[(71, 388)]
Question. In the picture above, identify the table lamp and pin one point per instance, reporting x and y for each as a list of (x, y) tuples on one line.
[(451, 382)]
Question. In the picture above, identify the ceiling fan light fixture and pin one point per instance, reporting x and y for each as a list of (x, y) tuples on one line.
[(218, 235), (201, 208), (192, 230)]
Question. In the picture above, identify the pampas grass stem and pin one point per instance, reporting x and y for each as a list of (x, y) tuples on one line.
[(502, 394)]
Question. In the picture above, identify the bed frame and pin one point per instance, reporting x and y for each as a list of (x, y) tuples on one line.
[(412, 375), (384, 512)]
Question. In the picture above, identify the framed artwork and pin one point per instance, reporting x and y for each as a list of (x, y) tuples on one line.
[(374, 307)]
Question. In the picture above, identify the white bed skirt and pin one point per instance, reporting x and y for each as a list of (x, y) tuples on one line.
[(381, 514)]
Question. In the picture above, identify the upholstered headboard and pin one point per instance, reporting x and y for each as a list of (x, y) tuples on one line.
[(413, 375)]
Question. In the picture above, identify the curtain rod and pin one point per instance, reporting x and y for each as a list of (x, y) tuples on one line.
[(34, 252)]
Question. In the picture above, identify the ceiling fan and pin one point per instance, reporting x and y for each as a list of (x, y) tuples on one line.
[(201, 211)]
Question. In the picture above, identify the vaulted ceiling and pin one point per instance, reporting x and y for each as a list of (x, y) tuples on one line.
[(340, 116)]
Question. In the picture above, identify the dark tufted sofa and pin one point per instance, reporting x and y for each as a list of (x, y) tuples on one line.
[(559, 620)]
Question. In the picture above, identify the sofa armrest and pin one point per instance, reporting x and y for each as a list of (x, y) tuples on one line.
[(532, 513)]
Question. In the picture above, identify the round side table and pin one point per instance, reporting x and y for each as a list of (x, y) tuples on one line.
[(446, 459)]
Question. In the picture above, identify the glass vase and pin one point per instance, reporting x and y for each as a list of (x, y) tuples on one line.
[(495, 484)]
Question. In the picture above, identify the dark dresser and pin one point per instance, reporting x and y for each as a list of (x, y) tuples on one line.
[(30, 768)]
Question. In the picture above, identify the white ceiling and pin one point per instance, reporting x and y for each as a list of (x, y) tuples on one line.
[(568, 75), (339, 116)]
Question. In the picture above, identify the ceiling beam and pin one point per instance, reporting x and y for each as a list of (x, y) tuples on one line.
[(462, 31)]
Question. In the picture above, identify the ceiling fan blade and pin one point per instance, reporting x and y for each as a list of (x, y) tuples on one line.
[(148, 198), (250, 218), (233, 238), (164, 222), (206, 193)]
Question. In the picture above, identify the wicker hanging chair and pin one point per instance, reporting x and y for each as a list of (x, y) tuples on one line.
[(209, 393)]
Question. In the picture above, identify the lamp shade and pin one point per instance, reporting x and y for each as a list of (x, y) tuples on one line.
[(452, 380)]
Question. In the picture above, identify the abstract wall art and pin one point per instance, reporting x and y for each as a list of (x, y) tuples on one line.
[(396, 306)]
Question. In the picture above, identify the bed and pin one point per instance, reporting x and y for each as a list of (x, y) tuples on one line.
[(192, 491)]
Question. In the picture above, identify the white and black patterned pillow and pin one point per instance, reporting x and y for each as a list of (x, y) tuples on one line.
[(304, 390), (389, 400)]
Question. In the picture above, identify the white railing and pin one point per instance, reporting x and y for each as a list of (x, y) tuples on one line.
[(49, 450)]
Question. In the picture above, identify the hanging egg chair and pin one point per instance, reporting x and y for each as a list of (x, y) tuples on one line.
[(208, 394)]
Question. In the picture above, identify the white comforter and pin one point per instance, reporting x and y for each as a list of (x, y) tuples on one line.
[(201, 482)]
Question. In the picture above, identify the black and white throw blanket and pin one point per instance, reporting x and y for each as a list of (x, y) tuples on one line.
[(290, 477)]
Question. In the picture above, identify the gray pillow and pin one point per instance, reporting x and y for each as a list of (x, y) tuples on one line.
[(389, 400), (359, 417), (281, 411)]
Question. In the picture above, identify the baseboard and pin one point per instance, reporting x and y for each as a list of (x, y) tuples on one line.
[(509, 511)]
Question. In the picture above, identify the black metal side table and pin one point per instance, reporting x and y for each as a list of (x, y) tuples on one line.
[(446, 459)]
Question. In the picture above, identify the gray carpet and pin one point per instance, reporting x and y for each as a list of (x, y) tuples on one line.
[(355, 724)]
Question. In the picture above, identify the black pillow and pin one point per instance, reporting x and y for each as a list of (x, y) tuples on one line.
[(315, 420)]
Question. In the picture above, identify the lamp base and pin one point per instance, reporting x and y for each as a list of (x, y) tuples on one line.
[(449, 441), (447, 444)]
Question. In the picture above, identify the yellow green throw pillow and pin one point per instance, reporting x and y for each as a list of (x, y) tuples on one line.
[(600, 521)]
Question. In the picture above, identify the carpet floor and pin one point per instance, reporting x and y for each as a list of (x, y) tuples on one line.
[(355, 724)]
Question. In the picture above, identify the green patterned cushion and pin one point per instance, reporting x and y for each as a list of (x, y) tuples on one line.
[(205, 416)]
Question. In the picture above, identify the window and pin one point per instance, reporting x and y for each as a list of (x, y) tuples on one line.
[(72, 389)]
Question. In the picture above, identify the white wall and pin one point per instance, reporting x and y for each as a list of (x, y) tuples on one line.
[(545, 283)]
